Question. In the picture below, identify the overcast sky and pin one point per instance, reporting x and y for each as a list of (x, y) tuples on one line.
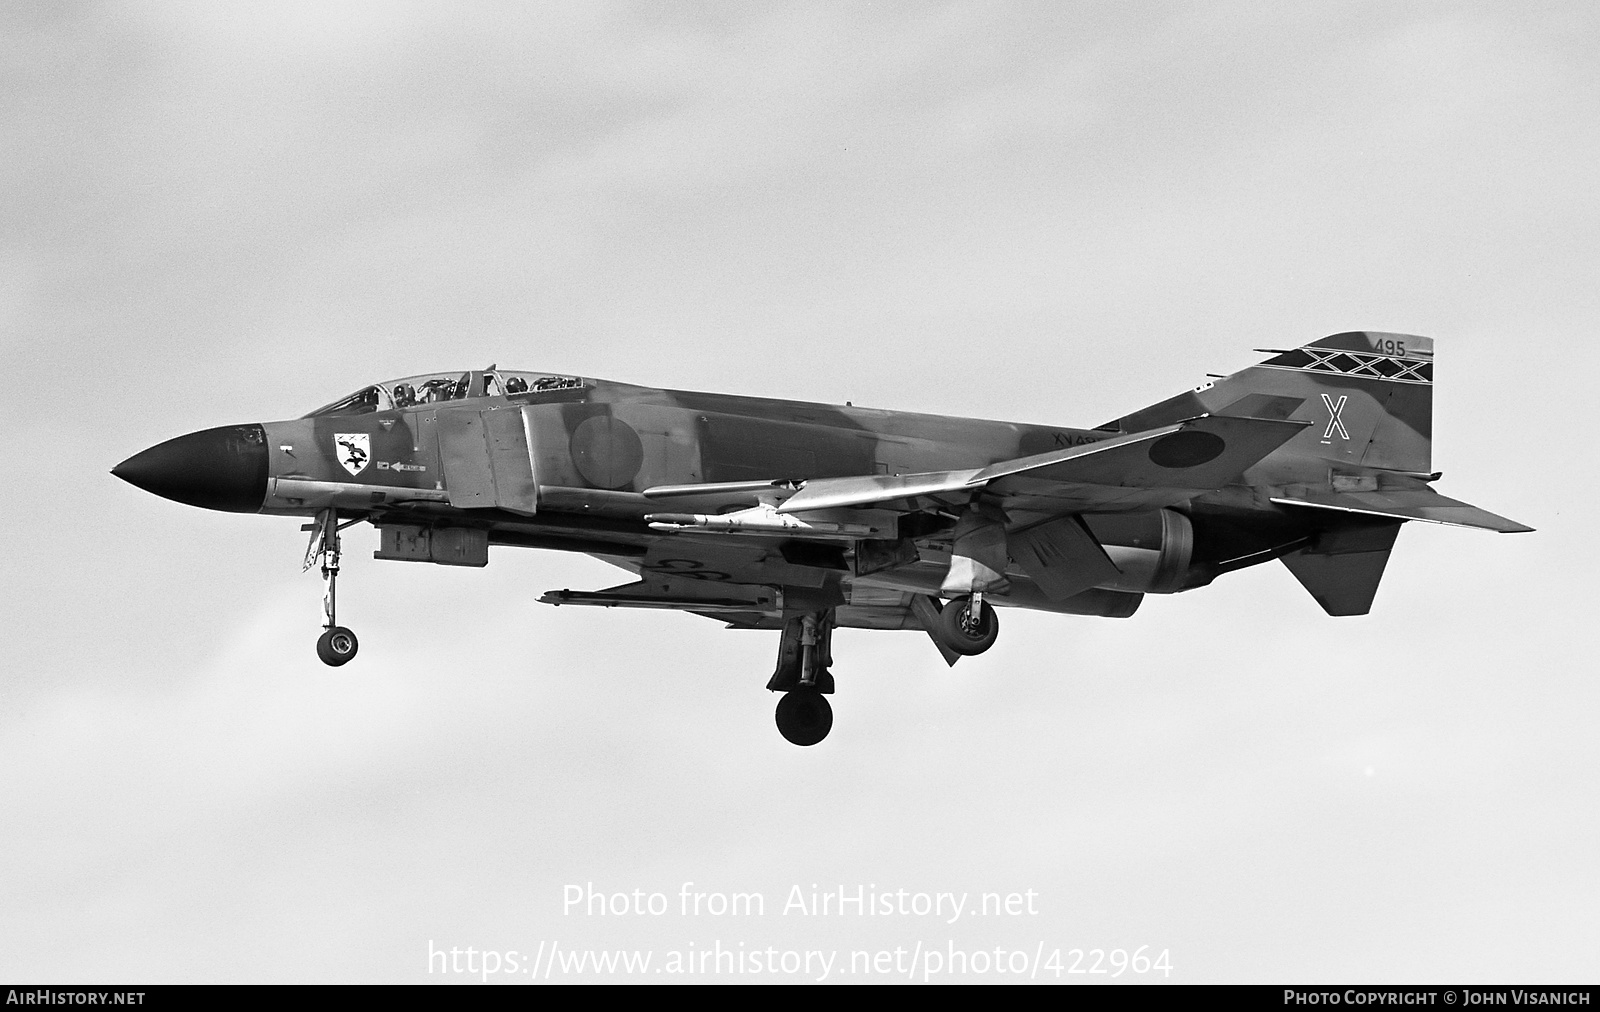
[(213, 214)]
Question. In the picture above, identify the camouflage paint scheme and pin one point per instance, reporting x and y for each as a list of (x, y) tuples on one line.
[(756, 512)]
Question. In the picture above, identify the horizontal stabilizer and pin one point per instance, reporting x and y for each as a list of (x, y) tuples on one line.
[(1407, 504)]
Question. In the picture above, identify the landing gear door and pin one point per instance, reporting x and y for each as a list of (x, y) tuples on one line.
[(486, 460)]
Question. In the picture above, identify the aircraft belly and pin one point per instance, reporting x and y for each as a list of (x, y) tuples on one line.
[(711, 560), (300, 496), (926, 577)]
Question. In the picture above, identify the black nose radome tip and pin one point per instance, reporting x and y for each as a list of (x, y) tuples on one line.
[(219, 469)]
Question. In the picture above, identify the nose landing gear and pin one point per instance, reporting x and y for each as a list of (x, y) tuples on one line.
[(337, 645)]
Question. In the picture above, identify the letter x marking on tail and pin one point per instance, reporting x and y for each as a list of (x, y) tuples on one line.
[(1334, 411)]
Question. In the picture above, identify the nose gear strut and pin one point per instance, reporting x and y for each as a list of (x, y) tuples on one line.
[(337, 645)]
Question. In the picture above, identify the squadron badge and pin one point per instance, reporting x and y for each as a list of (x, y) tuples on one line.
[(354, 450)]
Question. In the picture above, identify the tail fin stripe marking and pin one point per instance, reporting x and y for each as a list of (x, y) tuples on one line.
[(1355, 363)]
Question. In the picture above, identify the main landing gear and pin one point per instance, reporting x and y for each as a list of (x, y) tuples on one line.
[(804, 716), (337, 645), (965, 627), (804, 654), (968, 626)]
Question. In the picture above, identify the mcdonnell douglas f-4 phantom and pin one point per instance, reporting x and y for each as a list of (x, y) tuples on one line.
[(802, 518)]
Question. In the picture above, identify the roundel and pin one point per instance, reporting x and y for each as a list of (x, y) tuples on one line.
[(1186, 449), (606, 451)]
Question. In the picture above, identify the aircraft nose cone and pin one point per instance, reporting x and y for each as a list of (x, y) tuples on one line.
[(219, 469)]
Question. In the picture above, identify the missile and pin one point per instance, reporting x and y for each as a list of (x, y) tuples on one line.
[(766, 520)]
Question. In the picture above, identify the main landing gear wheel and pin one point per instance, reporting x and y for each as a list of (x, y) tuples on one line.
[(337, 646), (965, 633), (804, 716)]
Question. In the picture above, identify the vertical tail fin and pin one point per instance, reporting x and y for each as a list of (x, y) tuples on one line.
[(1358, 472), (1369, 393)]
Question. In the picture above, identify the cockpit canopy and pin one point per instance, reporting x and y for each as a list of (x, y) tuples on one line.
[(435, 388)]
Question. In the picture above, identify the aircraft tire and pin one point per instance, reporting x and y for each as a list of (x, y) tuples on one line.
[(960, 633), (804, 716), (337, 646)]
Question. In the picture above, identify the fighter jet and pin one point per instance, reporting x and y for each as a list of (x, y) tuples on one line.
[(802, 518)]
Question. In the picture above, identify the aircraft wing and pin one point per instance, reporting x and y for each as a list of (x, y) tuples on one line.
[(1137, 471)]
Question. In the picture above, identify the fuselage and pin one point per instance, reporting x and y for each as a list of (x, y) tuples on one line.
[(615, 437), (404, 453)]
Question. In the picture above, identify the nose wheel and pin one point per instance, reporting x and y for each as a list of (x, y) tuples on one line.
[(337, 645)]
